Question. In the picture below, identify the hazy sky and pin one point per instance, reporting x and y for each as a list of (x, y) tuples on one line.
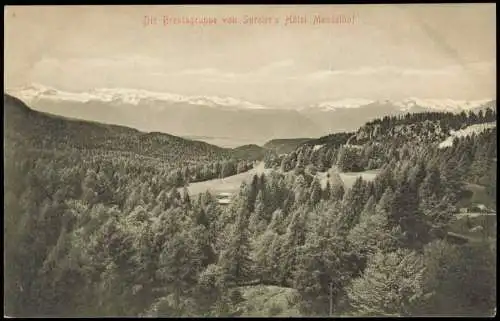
[(386, 51)]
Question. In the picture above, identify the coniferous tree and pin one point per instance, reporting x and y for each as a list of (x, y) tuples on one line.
[(294, 237), (327, 192), (236, 259), (337, 185), (353, 204), (315, 192), (391, 285)]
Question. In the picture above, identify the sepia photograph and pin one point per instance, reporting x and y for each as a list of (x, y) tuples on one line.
[(250, 161)]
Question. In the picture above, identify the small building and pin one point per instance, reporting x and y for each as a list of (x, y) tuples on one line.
[(456, 238), (476, 229), (482, 207), (223, 198), (224, 201)]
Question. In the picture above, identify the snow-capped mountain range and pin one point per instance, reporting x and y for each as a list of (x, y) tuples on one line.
[(212, 116), (442, 104), (126, 96), (138, 96), (407, 104)]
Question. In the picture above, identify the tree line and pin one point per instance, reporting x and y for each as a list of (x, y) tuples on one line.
[(378, 141)]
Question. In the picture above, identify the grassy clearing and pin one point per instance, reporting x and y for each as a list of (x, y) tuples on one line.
[(473, 129), (229, 184), (232, 184), (349, 177)]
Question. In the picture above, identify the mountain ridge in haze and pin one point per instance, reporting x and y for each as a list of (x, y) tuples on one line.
[(212, 116), (135, 96)]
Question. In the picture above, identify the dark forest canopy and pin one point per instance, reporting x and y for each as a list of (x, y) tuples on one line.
[(188, 160), (95, 226)]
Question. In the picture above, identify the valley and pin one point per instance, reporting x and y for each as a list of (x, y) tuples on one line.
[(227, 142)]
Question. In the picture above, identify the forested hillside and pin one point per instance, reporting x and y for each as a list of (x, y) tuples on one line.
[(380, 141), (284, 146), (186, 160), (91, 235), (252, 152)]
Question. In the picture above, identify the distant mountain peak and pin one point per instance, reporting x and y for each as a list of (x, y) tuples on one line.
[(441, 104), (342, 103)]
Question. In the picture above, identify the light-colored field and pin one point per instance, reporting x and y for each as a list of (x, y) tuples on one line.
[(350, 177), (229, 184), (232, 184), (477, 128)]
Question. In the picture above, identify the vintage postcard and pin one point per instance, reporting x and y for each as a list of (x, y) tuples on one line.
[(231, 161)]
